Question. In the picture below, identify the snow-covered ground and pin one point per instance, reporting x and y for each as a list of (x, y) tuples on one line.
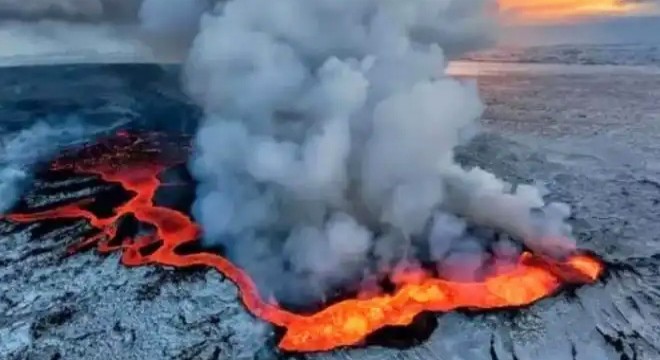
[(591, 136), (583, 54)]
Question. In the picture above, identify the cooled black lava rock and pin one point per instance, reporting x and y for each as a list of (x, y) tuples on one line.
[(405, 337)]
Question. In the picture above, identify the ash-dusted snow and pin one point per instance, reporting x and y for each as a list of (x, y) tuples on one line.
[(603, 163)]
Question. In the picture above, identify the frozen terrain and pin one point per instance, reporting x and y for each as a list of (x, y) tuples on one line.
[(613, 54), (591, 136)]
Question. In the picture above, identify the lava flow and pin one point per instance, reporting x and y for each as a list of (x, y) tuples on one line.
[(131, 162)]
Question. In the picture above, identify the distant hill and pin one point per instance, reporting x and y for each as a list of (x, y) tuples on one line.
[(578, 54), (619, 30)]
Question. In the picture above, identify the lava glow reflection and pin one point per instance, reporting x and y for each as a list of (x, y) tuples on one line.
[(130, 162)]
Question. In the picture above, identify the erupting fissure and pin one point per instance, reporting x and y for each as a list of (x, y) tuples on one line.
[(135, 163)]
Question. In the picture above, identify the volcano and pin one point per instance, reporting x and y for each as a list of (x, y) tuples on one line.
[(130, 221)]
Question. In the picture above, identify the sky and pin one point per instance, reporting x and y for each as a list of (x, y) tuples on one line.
[(559, 11), (103, 30), (551, 22)]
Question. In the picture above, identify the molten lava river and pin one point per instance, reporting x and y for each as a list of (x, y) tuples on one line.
[(135, 162)]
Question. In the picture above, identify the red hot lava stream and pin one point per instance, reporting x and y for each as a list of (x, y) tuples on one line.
[(132, 162)]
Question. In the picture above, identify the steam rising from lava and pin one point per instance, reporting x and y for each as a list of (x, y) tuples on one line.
[(327, 151), (326, 161), (20, 151), (136, 164)]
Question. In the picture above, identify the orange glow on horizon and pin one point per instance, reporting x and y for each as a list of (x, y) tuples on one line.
[(552, 10)]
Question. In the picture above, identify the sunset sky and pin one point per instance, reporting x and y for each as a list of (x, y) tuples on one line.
[(548, 22), (558, 10)]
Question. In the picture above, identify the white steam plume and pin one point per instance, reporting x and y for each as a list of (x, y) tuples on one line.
[(20, 151), (329, 136), (332, 123)]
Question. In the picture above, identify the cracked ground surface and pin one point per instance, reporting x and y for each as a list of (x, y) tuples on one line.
[(590, 137)]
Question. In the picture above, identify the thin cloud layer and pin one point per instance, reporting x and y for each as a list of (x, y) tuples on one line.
[(70, 10), (97, 31)]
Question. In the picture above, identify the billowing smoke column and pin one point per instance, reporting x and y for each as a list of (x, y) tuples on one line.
[(327, 151), (326, 154)]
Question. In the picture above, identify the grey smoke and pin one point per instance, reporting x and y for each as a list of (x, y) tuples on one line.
[(70, 10), (21, 151), (169, 26), (327, 150)]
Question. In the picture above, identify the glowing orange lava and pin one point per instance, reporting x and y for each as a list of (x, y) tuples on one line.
[(129, 163)]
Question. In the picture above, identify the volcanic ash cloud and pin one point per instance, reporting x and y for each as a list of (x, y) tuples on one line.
[(328, 143)]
